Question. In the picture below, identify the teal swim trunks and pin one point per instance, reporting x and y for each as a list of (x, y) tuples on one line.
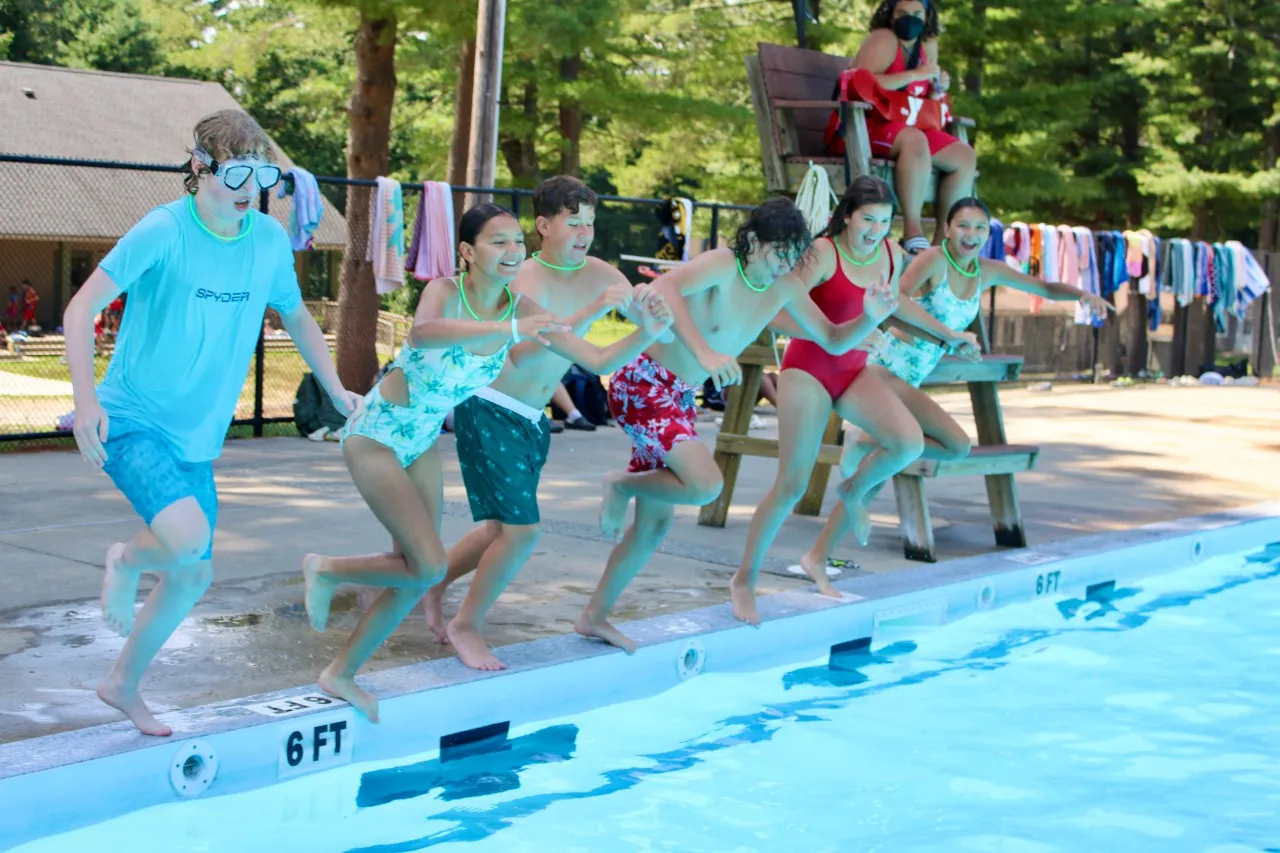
[(502, 446)]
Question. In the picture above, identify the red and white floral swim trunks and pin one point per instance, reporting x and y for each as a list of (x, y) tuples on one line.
[(655, 408)]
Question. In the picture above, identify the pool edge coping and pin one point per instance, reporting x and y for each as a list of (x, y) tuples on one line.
[(34, 755)]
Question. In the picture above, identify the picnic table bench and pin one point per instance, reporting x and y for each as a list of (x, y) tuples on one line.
[(992, 456)]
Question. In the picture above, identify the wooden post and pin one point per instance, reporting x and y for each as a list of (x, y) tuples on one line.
[(482, 159), (913, 518), (737, 421), (1002, 492)]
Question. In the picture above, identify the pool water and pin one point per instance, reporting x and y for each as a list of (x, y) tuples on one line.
[(1147, 718)]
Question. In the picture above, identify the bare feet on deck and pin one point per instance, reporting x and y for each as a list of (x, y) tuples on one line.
[(345, 687), (472, 649), (433, 610), (613, 509), (743, 597), (602, 630), (119, 593), (818, 574), (131, 705), (319, 592)]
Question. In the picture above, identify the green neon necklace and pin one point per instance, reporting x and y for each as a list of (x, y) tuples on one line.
[(511, 302), (977, 267), (848, 258), (195, 214), (537, 256), (743, 274)]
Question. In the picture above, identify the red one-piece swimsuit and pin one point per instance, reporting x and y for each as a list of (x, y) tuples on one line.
[(841, 301), (883, 133)]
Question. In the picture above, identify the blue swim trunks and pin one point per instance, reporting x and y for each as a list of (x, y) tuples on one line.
[(145, 467)]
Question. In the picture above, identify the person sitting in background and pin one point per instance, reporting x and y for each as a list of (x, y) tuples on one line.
[(902, 52)]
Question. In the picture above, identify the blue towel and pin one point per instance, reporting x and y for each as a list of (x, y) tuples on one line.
[(307, 208)]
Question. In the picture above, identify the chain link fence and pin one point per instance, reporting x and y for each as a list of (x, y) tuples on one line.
[(61, 217)]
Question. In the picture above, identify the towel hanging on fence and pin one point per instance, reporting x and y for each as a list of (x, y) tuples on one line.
[(307, 209), (386, 235), (432, 253)]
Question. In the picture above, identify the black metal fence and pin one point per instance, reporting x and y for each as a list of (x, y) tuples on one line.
[(59, 217)]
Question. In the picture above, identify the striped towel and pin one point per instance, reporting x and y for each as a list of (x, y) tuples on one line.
[(1251, 279), (386, 235)]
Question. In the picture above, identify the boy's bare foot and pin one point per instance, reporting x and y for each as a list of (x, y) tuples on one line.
[(471, 647), (743, 597), (119, 593), (613, 509), (131, 705), (319, 592), (345, 687), (602, 630), (433, 610), (817, 572)]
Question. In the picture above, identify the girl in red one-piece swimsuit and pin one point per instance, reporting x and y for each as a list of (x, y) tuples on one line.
[(902, 51), (851, 255)]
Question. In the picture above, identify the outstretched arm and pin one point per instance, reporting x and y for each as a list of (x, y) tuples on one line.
[(309, 339), (433, 328), (859, 333), (997, 274), (655, 319)]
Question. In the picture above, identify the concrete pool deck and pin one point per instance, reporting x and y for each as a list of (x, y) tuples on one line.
[(1111, 460)]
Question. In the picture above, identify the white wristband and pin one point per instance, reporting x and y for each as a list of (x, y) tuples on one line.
[(515, 331)]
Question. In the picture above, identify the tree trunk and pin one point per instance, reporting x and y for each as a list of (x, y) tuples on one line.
[(368, 155), (462, 96), (518, 147), (482, 161), (570, 120)]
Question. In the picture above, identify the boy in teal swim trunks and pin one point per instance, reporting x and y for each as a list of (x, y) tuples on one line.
[(502, 433), (200, 274)]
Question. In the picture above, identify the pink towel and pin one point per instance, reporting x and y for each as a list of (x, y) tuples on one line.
[(432, 254)]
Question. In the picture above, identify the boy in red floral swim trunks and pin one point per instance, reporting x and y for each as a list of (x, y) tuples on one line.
[(721, 301)]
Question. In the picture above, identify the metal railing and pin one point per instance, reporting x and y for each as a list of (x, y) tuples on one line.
[(60, 216)]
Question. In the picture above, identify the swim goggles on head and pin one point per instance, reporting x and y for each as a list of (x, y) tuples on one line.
[(236, 172)]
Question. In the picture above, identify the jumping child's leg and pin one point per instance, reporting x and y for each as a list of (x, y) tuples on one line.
[(409, 504)]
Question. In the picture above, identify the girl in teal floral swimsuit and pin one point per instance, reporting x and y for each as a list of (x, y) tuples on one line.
[(462, 331)]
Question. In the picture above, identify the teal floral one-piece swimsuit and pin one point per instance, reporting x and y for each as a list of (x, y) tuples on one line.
[(438, 380), (912, 361)]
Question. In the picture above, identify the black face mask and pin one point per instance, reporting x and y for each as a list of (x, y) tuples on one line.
[(908, 27)]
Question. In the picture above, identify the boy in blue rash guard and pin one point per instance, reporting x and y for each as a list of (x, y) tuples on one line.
[(200, 273)]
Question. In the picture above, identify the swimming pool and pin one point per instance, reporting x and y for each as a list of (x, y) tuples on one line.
[(1115, 706)]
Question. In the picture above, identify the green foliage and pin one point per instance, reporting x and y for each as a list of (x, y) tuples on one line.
[(1104, 112)]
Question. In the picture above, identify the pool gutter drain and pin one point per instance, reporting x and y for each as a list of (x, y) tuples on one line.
[(690, 659), (194, 767)]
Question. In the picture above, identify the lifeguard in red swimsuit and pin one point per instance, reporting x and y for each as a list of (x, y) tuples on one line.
[(902, 52)]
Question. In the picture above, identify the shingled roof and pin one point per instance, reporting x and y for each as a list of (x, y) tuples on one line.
[(94, 115)]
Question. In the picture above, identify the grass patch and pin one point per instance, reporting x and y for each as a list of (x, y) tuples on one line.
[(51, 367)]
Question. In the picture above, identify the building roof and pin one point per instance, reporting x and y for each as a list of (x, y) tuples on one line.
[(96, 115)]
